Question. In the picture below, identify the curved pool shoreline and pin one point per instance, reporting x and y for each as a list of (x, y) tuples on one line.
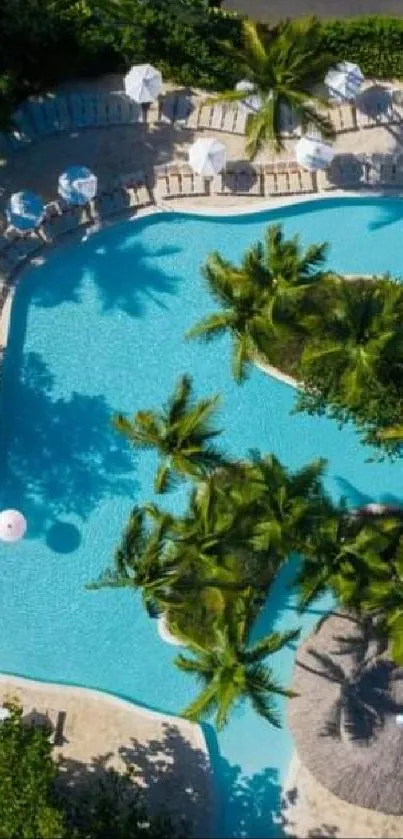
[(48, 394)]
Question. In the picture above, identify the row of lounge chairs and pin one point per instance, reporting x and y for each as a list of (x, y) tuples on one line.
[(135, 191), (55, 113), (265, 180), (126, 193)]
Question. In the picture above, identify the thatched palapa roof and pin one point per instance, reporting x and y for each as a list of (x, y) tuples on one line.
[(344, 719)]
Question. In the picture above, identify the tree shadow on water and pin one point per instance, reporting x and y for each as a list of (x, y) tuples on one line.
[(245, 806), (125, 273), (63, 456)]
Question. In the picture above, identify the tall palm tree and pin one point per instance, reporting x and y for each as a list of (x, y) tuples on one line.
[(283, 66), (351, 341), (232, 669), (362, 564), (181, 433), (272, 273)]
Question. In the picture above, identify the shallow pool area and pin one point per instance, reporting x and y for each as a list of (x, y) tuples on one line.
[(99, 328)]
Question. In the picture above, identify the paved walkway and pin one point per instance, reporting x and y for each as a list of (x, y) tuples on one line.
[(168, 754), (275, 9)]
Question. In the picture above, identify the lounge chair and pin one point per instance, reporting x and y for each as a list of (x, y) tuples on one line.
[(269, 180), (63, 119), (167, 108), (193, 119), (24, 126), (161, 181), (187, 178), (38, 117), (217, 117), (59, 739), (200, 185), (249, 182), (241, 118), (185, 105), (174, 182), (205, 115), (229, 119)]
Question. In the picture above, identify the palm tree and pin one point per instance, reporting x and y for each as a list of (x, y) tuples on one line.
[(350, 343), (143, 561), (181, 433), (362, 564), (272, 273), (283, 68), (232, 669)]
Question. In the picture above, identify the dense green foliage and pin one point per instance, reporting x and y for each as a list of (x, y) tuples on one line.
[(343, 339), (361, 562), (46, 42), (374, 42), (181, 433), (27, 774), (35, 803)]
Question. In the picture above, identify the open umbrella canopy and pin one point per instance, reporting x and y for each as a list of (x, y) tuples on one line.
[(253, 102), (12, 526), (25, 210), (78, 185), (313, 154), (143, 83), (344, 81), (207, 156)]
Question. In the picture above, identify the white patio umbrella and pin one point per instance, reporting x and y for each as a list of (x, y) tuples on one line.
[(344, 81), (25, 210), (78, 185), (253, 102), (143, 83), (312, 153), (13, 526), (207, 156)]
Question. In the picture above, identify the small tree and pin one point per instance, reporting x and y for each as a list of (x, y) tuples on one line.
[(27, 772)]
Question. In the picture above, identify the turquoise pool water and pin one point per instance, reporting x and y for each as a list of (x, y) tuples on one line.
[(97, 329)]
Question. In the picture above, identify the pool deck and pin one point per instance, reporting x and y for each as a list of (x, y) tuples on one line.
[(169, 755)]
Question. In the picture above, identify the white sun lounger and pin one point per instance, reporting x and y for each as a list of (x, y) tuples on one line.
[(184, 107), (187, 182), (167, 108), (24, 126), (217, 117), (205, 115), (174, 182)]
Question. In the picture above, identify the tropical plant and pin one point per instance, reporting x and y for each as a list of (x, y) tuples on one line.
[(362, 564), (27, 774), (272, 274), (181, 433), (349, 343), (282, 67), (233, 669)]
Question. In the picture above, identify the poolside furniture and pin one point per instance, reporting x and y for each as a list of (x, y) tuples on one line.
[(253, 101), (313, 154), (344, 81), (174, 182), (77, 185), (25, 210), (207, 156), (59, 739), (143, 83), (167, 108), (26, 130), (269, 180)]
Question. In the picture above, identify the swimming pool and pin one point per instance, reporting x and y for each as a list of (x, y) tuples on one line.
[(97, 329)]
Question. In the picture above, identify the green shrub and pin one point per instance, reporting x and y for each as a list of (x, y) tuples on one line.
[(374, 42)]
